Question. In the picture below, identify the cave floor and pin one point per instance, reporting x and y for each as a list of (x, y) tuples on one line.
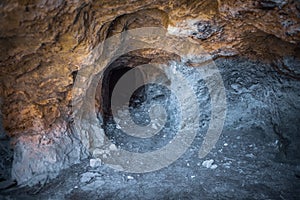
[(245, 170)]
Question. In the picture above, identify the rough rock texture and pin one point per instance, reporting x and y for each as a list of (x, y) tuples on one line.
[(244, 154), (44, 43), (39, 157), (5, 151)]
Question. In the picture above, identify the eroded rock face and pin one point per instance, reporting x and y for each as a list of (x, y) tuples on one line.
[(39, 157), (44, 43)]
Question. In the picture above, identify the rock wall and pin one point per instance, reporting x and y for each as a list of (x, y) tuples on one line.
[(44, 43)]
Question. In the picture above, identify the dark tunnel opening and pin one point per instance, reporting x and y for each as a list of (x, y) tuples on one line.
[(110, 79)]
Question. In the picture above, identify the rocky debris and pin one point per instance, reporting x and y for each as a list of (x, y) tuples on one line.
[(95, 162), (130, 177), (209, 164), (214, 166), (113, 147)]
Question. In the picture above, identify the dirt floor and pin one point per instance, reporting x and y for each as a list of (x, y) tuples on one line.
[(246, 169)]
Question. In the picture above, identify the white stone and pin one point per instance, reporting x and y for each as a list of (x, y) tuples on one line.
[(130, 177), (113, 147), (118, 126), (225, 144), (214, 166), (95, 162), (154, 126), (208, 163)]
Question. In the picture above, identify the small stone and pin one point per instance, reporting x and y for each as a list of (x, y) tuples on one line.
[(154, 126), (118, 126), (130, 177), (225, 144), (95, 162), (214, 166), (76, 187), (193, 176), (208, 163), (250, 155), (113, 147), (227, 165)]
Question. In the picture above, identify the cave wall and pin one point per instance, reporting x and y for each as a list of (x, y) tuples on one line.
[(44, 44)]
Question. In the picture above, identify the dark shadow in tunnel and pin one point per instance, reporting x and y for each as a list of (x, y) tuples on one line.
[(109, 81), (138, 105)]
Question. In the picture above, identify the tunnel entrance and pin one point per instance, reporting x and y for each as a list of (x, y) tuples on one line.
[(110, 79), (139, 106)]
